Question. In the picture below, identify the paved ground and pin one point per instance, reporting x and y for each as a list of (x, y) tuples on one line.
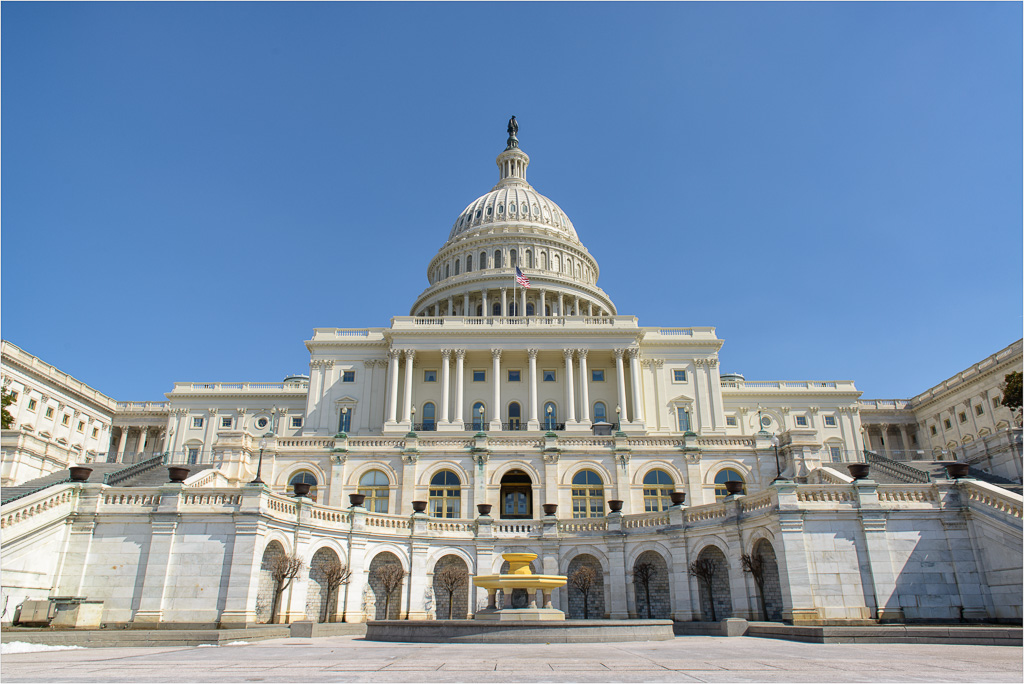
[(685, 659)]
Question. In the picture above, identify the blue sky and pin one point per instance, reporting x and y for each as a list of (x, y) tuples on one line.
[(188, 189)]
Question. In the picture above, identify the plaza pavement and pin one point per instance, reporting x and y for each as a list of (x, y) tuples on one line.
[(684, 659)]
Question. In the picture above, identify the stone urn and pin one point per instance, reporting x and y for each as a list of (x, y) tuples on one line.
[(483, 509), (79, 473), (858, 471), (177, 473), (419, 506), (615, 505), (356, 499), (955, 470), (677, 498), (734, 487), (302, 488), (549, 509)]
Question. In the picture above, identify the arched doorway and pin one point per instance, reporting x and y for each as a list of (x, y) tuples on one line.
[(326, 575), (451, 585), (378, 582), (770, 588), (714, 588), (265, 593), (589, 606), (516, 495), (650, 583)]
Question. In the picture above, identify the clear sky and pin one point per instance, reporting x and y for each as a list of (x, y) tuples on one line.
[(188, 189)]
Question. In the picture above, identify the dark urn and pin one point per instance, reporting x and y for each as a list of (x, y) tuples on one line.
[(302, 488), (177, 473), (954, 471), (734, 487), (549, 509), (79, 473), (483, 509), (858, 471), (615, 505), (677, 498), (356, 499), (419, 506)]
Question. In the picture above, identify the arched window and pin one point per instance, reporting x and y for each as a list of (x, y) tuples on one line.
[(445, 495), (578, 272), (600, 412), (303, 477), (375, 486), (514, 416), (528, 259), (447, 270), (657, 486), (458, 266), (554, 263), (428, 416), (496, 309), (479, 309), (483, 260), (512, 261), (587, 495), (529, 308), (544, 261), (550, 416), (479, 416), (723, 476), (469, 263), (513, 308), (497, 258)]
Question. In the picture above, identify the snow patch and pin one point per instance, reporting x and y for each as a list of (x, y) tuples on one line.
[(25, 647)]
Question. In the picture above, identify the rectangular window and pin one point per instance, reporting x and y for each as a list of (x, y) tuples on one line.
[(513, 376), (193, 455), (949, 425), (348, 376), (995, 402), (830, 421), (684, 420), (49, 412), (979, 409), (14, 396), (31, 404), (197, 422), (65, 419), (801, 421), (679, 376), (81, 426), (296, 421), (597, 375), (934, 431), (730, 421), (836, 453), (549, 376), (430, 376), (962, 417), (225, 422), (95, 433), (479, 376)]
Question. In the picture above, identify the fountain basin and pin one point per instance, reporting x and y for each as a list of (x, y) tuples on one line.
[(519, 632), (509, 582)]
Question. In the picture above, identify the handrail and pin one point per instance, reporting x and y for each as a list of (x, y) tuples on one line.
[(117, 476), (896, 469)]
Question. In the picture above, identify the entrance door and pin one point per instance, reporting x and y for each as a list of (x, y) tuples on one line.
[(516, 495)]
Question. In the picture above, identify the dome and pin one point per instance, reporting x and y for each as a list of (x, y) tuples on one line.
[(511, 204)]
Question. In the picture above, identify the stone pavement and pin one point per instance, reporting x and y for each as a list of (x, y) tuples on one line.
[(685, 659)]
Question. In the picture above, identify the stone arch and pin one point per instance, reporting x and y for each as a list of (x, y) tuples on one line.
[(772, 585), (286, 474), (465, 479), (380, 600), (459, 600), (596, 466), (265, 587), (720, 595), (653, 601), (595, 608), (321, 601), (505, 467), (677, 476), (727, 464), (386, 468)]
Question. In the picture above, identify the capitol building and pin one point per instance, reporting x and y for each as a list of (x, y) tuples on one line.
[(515, 408)]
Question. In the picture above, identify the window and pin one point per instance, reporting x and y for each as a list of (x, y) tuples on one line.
[(479, 376), (679, 375), (684, 419), (979, 409), (348, 376), (49, 411), (483, 260), (65, 419), (934, 431), (587, 495), (497, 258), (962, 417), (830, 421), (730, 421), (193, 455), (225, 422), (95, 433), (597, 375), (375, 486), (801, 421), (478, 417), (32, 405), (297, 421), (836, 454), (723, 476), (995, 402), (530, 309), (262, 422), (430, 376), (81, 426), (458, 264), (549, 376), (600, 412), (512, 260), (657, 487), (14, 396), (515, 415), (429, 416), (447, 271), (513, 376), (345, 419), (948, 425), (469, 263), (496, 309), (304, 477), (550, 416), (445, 495)]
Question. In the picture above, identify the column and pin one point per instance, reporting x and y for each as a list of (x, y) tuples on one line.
[(504, 301), (122, 443), (496, 381), (634, 374), (407, 403), (621, 381), (885, 440), (584, 386), (522, 309), (483, 298), (561, 311), (543, 308), (446, 355), (143, 434), (570, 398), (590, 308), (465, 305), (393, 386), (906, 443), (533, 423), (460, 385), (576, 306), (451, 305)]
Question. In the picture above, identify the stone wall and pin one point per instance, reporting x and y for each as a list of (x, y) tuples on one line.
[(661, 601), (772, 585), (720, 593), (595, 598), (460, 597)]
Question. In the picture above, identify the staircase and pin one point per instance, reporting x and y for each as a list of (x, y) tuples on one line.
[(887, 471)]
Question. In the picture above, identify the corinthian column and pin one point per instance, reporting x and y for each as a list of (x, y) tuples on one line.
[(496, 380), (621, 380), (393, 355), (446, 355), (570, 398), (638, 397), (533, 423), (460, 385), (407, 404), (584, 388)]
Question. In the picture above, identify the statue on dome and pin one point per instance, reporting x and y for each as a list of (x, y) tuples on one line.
[(513, 128)]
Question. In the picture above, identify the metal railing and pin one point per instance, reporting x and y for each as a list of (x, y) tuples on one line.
[(133, 469)]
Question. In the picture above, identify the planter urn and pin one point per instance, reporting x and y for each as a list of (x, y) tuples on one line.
[(483, 509), (549, 509), (615, 505), (954, 471), (302, 488), (177, 473), (858, 471), (677, 498), (419, 506), (734, 487), (79, 473), (356, 499)]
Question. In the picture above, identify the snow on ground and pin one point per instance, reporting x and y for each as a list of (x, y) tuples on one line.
[(24, 647)]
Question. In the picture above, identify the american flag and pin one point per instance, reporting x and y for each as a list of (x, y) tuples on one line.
[(522, 279)]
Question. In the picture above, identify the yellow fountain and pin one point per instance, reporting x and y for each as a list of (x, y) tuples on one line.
[(520, 577)]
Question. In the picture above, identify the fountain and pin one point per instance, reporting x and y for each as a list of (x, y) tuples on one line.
[(519, 577)]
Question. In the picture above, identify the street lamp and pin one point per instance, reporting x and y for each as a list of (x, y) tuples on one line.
[(344, 416), (259, 465), (551, 425), (778, 468), (618, 417), (481, 416)]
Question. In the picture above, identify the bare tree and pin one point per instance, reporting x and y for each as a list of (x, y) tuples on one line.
[(283, 569), (390, 576), (582, 579), (755, 566), (332, 574), (704, 570), (643, 573), (450, 578)]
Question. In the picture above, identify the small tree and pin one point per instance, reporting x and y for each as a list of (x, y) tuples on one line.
[(755, 566), (283, 569), (1013, 387), (704, 570), (333, 574), (583, 578), (6, 419), (450, 578), (390, 576), (643, 573)]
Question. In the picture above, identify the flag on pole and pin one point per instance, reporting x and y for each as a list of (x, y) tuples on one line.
[(522, 279)]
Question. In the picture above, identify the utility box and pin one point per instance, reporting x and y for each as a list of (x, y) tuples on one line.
[(72, 612), (34, 613)]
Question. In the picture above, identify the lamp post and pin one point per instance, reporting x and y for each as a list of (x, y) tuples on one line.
[(344, 416), (618, 417), (551, 425), (412, 422), (259, 465), (481, 417), (778, 468), (760, 425)]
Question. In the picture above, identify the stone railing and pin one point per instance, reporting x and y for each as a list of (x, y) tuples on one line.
[(143, 406), (376, 443), (838, 385), (446, 442), (210, 499), (708, 512), (515, 528), (305, 442), (882, 404), (664, 442), (633, 522), (328, 516), (745, 442), (148, 498), (997, 499), (387, 522), (757, 502), (475, 322), (896, 469), (233, 387), (815, 494), (31, 506), (898, 494), (583, 525), (446, 526)]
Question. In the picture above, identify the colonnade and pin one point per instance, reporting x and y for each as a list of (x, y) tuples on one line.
[(513, 304), (142, 441), (885, 447)]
